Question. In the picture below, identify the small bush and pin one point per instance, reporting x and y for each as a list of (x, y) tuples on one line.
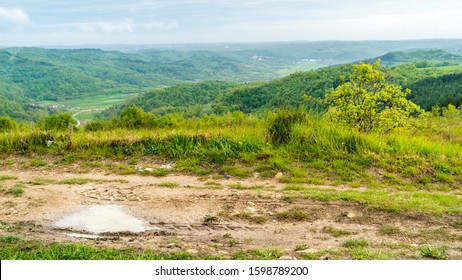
[(437, 253), (294, 214), (6, 124), (16, 191), (59, 122), (355, 243), (282, 123)]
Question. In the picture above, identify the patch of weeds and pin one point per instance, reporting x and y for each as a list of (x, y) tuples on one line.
[(41, 181), (7, 177), (298, 172), (168, 185), (336, 232), (355, 243), (368, 254), (16, 191), (301, 247), (437, 253), (69, 159), (410, 172), (288, 199), (161, 172), (265, 171), (212, 183), (294, 188), (251, 217), (444, 177), (389, 230), (232, 241), (133, 161), (436, 234), (203, 172), (239, 186), (121, 169), (209, 219), (305, 180), (237, 171), (457, 224), (11, 239), (425, 179), (269, 254), (76, 181), (35, 163), (4, 226), (294, 214)]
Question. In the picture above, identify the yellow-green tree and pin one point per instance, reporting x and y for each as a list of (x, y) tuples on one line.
[(366, 102)]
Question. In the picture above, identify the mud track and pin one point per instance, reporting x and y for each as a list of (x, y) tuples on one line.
[(211, 217)]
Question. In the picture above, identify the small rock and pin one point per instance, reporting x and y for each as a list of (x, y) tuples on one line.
[(170, 245), (278, 175), (351, 215), (252, 209)]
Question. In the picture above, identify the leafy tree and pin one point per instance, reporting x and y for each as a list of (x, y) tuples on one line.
[(59, 122), (6, 123), (367, 102), (134, 117)]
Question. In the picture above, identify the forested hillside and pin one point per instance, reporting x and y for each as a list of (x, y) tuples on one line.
[(37, 81), (431, 84)]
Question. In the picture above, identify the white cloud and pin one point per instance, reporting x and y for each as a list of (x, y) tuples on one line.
[(158, 25), (125, 25), (14, 15)]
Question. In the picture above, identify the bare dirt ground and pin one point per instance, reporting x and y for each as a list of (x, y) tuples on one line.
[(211, 217)]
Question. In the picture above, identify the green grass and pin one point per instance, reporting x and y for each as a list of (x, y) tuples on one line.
[(355, 243), (336, 232), (387, 200), (301, 247), (433, 252), (389, 230), (76, 181), (7, 177), (41, 181), (13, 248), (294, 214), (251, 217), (255, 254), (16, 191), (168, 185)]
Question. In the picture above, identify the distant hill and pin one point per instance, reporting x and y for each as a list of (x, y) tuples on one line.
[(406, 57), (429, 85), (442, 90), (31, 76)]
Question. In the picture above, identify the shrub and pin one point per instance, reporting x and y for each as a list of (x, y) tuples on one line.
[(281, 125), (59, 122), (6, 124)]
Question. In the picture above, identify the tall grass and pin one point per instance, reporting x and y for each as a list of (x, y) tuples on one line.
[(430, 152)]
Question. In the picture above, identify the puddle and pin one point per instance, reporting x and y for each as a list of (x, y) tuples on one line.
[(103, 218)]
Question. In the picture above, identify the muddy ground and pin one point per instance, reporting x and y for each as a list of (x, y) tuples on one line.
[(210, 216)]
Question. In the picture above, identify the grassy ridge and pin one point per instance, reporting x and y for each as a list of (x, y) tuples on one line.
[(418, 168)]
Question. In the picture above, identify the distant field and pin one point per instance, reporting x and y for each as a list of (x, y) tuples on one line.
[(90, 103)]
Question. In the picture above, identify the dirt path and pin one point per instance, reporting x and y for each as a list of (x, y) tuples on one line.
[(214, 217)]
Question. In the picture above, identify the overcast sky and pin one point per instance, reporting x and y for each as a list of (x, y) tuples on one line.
[(59, 22)]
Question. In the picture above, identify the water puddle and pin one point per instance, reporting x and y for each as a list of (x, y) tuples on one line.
[(103, 218)]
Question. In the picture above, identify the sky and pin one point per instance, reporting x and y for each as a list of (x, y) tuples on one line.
[(60, 22)]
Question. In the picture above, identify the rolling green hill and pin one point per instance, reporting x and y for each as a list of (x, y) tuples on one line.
[(431, 85), (35, 81)]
